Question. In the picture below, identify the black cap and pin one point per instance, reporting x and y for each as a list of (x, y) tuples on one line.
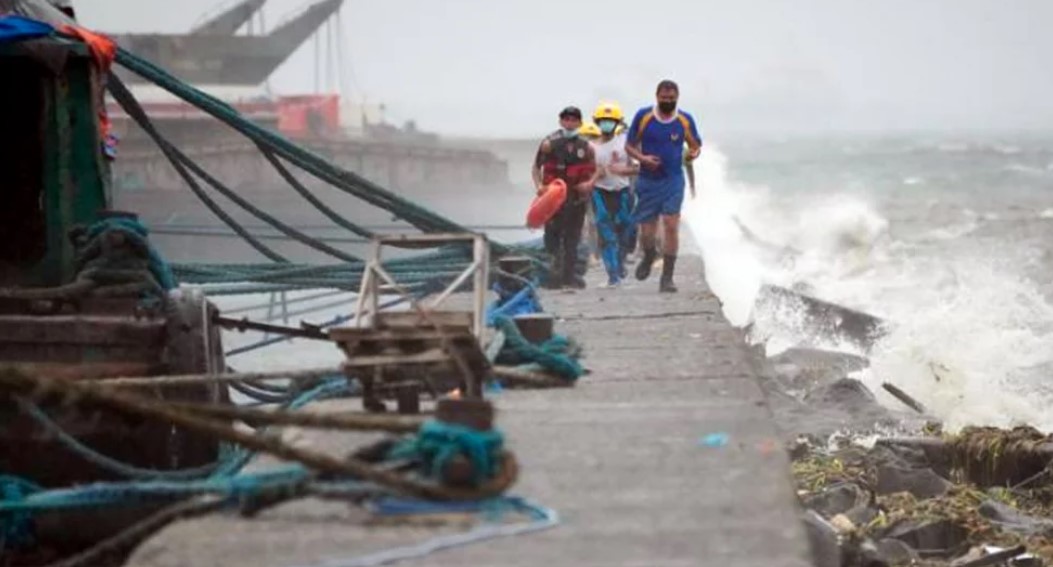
[(570, 111)]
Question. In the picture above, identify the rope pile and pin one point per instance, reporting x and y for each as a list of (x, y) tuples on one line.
[(430, 449), (558, 355)]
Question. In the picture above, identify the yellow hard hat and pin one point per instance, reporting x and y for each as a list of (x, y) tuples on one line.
[(608, 110), (589, 130)]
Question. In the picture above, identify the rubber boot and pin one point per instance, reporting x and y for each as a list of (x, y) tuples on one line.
[(666, 284), (643, 269)]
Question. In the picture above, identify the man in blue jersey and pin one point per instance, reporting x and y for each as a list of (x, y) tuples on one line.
[(656, 139)]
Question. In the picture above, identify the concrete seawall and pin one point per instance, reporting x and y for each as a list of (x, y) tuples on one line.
[(239, 162)]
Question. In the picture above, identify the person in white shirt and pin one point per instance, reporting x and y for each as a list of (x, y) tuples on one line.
[(612, 198)]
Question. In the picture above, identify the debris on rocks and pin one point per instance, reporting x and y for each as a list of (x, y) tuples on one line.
[(897, 506)]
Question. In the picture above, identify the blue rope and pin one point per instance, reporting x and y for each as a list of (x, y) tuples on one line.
[(523, 302), (541, 518)]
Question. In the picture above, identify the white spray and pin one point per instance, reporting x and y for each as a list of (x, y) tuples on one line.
[(970, 341)]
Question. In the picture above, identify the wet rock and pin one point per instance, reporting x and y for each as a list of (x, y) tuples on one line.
[(823, 540), (1014, 520), (899, 455), (862, 515), (896, 552), (863, 552), (990, 555), (870, 555), (837, 499), (845, 393), (1027, 561), (805, 369), (904, 469), (937, 538), (922, 483)]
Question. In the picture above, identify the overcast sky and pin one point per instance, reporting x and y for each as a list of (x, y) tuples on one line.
[(505, 67)]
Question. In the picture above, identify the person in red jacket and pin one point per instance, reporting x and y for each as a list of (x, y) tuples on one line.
[(566, 155)]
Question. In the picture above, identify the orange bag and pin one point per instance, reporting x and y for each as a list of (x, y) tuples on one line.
[(547, 204)]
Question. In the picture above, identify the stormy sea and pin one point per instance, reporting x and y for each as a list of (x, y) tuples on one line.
[(946, 238)]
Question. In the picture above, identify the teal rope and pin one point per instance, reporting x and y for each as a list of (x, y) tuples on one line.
[(124, 97), (438, 442), (310, 162), (558, 354), (230, 462), (16, 526), (329, 388), (293, 182), (176, 155), (103, 461), (239, 487), (135, 230)]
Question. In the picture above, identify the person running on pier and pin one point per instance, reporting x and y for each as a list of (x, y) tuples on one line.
[(565, 155), (592, 133), (656, 139), (612, 199)]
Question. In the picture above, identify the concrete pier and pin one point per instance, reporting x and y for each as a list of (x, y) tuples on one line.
[(666, 455)]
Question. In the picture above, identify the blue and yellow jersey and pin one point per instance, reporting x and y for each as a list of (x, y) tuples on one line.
[(664, 139)]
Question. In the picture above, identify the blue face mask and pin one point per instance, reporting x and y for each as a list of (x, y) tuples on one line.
[(607, 126), (569, 133)]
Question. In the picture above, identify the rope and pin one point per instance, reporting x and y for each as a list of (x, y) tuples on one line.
[(228, 464), (542, 519), (310, 162), (94, 251), (523, 302), (103, 461), (338, 320), (558, 354), (318, 204), (332, 387), (16, 528), (438, 443), (175, 154), (125, 540), (124, 97)]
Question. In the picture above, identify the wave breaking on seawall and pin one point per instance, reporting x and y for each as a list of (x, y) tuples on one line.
[(967, 338)]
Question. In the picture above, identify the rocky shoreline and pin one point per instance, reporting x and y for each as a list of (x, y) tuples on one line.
[(882, 487)]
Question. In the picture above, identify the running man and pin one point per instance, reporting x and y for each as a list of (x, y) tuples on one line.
[(656, 139), (612, 199), (565, 155)]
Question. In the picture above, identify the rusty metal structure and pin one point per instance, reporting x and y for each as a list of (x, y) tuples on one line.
[(211, 54)]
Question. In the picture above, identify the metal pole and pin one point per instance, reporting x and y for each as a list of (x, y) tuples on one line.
[(482, 273)]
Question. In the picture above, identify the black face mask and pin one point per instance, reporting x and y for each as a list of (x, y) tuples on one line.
[(667, 107)]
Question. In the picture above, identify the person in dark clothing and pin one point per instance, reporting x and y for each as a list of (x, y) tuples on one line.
[(565, 155)]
